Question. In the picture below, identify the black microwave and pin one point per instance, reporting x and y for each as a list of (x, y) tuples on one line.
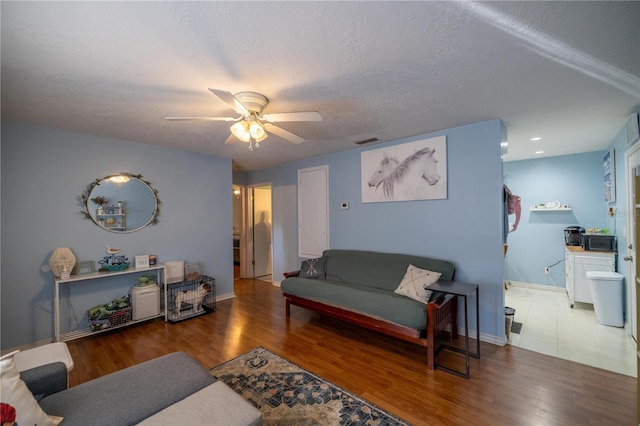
[(595, 242)]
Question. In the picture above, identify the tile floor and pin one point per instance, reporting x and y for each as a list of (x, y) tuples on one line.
[(552, 327)]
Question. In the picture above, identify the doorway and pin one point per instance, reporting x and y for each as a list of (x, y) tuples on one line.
[(632, 165), (259, 247), (238, 195)]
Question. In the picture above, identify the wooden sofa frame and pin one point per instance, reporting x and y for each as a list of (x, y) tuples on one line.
[(440, 313)]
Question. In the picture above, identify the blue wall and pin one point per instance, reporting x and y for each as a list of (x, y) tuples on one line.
[(44, 172), (466, 228), (572, 179), (538, 241)]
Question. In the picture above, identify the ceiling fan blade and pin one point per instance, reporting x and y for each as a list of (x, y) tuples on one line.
[(201, 119), (293, 116), (231, 139), (285, 134), (231, 100)]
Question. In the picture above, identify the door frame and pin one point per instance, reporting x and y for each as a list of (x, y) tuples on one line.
[(631, 160), (247, 271)]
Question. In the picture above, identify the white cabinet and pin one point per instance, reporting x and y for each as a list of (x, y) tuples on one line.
[(78, 279), (577, 263)]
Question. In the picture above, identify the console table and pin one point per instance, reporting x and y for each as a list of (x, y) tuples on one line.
[(96, 276), (464, 290)]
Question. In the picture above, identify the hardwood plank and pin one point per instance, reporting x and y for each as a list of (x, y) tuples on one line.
[(508, 385)]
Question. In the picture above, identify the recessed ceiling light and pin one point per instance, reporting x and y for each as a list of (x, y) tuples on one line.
[(536, 139), (539, 152)]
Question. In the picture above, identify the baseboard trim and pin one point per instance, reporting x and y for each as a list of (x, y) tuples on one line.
[(537, 286), (225, 296)]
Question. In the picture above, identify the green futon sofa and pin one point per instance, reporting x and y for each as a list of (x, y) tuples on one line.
[(358, 286)]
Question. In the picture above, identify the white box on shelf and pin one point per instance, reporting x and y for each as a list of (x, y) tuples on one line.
[(142, 261), (175, 271)]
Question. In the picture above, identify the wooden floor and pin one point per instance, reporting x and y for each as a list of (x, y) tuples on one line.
[(508, 386)]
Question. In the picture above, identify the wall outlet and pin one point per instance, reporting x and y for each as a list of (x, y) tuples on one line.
[(547, 270), (611, 211)]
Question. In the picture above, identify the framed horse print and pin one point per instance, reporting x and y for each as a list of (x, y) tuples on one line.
[(410, 171)]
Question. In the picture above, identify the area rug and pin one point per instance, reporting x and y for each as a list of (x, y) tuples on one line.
[(286, 394)]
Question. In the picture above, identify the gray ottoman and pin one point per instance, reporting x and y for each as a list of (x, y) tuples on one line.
[(216, 404)]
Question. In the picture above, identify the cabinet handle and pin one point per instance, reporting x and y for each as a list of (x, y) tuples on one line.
[(627, 258)]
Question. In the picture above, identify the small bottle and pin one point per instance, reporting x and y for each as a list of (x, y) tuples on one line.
[(65, 273), (119, 209)]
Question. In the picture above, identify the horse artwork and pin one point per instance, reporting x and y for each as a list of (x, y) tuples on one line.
[(411, 171)]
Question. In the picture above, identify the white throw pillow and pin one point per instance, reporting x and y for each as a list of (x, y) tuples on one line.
[(415, 283), (16, 393)]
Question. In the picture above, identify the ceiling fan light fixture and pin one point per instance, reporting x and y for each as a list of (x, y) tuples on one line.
[(261, 138), (257, 131), (241, 131), (250, 127)]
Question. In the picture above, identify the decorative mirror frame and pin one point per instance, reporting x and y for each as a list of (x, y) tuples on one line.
[(87, 194)]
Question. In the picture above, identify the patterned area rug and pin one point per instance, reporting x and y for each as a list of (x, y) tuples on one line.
[(286, 394)]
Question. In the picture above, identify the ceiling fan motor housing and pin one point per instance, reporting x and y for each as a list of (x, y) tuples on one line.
[(252, 101)]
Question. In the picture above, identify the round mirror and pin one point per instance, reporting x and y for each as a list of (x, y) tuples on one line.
[(121, 203)]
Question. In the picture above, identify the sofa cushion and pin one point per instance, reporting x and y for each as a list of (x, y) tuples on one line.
[(379, 270), (217, 404), (374, 302), (130, 395), (15, 393), (415, 283), (313, 268)]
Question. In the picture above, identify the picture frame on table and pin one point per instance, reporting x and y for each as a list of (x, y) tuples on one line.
[(86, 267), (142, 261)]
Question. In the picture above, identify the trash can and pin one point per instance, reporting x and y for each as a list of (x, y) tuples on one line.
[(606, 292), (509, 313)]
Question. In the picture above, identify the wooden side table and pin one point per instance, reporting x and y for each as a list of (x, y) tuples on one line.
[(464, 290)]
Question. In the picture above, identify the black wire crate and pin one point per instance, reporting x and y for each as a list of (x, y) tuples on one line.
[(191, 298)]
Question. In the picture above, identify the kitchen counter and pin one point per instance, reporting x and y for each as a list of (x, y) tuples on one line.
[(580, 249)]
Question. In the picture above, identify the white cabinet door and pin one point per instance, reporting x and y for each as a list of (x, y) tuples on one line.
[(585, 263)]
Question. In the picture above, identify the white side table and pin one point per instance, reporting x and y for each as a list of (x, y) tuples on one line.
[(35, 357)]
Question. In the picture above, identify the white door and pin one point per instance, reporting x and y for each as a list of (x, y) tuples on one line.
[(313, 211), (630, 252)]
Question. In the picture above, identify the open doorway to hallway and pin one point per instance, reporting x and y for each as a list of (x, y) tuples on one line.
[(252, 232), (238, 195), (259, 233)]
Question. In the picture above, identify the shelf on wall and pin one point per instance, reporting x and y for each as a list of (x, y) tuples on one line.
[(559, 209)]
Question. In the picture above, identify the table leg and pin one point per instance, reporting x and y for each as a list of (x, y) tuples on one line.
[(56, 311), (466, 334), (477, 355)]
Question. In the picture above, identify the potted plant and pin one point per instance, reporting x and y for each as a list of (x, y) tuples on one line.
[(100, 201)]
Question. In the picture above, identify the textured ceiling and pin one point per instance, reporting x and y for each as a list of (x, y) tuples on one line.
[(566, 71)]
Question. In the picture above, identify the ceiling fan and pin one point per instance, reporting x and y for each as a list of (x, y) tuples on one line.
[(250, 126)]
